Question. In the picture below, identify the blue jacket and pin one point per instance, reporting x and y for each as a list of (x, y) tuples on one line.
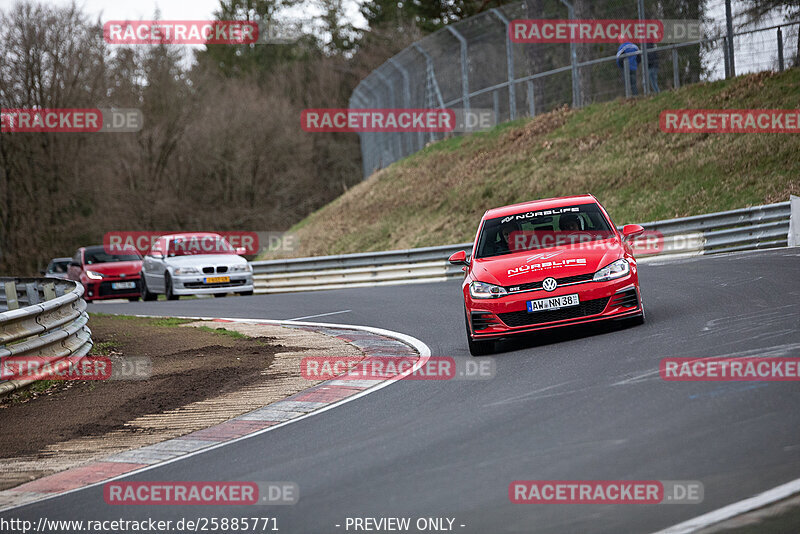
[(628, 48)]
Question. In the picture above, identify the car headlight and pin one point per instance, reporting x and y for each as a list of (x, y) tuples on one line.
[(613, 270), (187, 270), (94, 275), (482, 290), (242, 268)]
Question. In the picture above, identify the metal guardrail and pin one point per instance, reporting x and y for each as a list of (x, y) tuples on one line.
[(728, 231), (44, 318)]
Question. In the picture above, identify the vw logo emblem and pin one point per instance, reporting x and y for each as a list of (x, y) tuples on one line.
[(549, 284)]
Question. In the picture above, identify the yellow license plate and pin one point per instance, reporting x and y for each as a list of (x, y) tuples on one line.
[(217, 279)]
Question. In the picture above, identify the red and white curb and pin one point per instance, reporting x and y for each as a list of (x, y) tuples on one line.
[(307, 403)]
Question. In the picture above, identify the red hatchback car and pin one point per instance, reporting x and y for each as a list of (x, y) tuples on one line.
[(545, 264), (106, 275)]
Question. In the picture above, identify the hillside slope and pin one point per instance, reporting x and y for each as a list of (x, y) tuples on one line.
[(613, 150)]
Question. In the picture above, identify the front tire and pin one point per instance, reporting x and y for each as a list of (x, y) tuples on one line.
[(146, 294), (246, 293), (168, 287), (220, 295), (477, 348)]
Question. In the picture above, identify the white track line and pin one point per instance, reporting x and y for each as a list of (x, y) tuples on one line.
[(419, 346), (318, 315), (732, 510)]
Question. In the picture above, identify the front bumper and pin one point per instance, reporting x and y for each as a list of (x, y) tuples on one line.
[(196, 284), (508, 315), (102, 289)]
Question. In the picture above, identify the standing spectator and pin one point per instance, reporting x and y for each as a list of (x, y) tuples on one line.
[(652, 66), (626, 47)]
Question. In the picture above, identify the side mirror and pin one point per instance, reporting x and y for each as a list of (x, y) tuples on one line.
[(459, 258), (632, 230), (42, 273)]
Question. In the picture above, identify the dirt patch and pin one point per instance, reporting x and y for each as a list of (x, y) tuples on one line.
[(200, 377)]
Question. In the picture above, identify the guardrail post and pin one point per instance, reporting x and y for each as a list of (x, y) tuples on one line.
[(512, 99), (794, 221), (780, 50), (32, 293), (49, 290), (11, 296), (676, 78), (464, 68)]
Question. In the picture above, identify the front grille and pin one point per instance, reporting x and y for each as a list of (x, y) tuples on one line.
[(560, 281), (208, 270), (525, 318), (222, 269), (232, 283), (105, 289), (626, 299)]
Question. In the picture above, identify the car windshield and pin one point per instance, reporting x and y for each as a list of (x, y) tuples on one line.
[(192, 245), (95, 255), (539, 229), (59, 266)]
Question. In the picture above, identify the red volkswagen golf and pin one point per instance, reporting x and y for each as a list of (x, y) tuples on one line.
[(545, 264)]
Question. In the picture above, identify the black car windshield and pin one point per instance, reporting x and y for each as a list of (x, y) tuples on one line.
[(93, 255), (538, 229), (58, 266)]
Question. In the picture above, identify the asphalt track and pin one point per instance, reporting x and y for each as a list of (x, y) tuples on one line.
[(573, 405)]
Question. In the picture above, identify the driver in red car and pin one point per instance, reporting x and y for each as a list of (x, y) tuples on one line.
[(504, 244), (570, 223)]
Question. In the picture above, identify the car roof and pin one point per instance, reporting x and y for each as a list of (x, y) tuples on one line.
[(191, 234), (62, 259), (536, 205), (102, 248)]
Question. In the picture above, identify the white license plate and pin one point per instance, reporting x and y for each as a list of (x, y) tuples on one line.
[(553, 303), (123, 285)]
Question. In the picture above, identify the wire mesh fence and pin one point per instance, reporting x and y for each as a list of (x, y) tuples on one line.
[(476, 65)]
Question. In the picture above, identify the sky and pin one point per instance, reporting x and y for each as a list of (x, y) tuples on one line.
[(755, 49), (177, 9)]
